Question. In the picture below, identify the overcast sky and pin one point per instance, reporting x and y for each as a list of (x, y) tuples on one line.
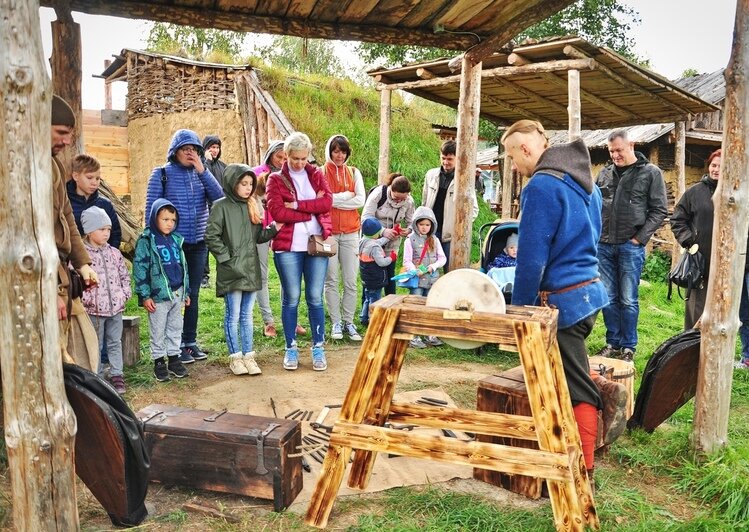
[(674, 34)]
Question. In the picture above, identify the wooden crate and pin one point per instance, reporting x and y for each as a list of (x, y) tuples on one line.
[(223, 452), (130, 340), (507, 393), (624, 372)]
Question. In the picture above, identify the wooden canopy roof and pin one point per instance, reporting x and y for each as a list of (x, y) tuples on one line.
[(531, 82), (451, 24)]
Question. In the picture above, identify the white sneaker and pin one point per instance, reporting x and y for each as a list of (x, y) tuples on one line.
[(336, 331), (417, 342), (434, 341), (236, 365), (250, 364), (353, 334)]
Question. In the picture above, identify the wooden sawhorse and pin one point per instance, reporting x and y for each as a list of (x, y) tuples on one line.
[(368, 405)]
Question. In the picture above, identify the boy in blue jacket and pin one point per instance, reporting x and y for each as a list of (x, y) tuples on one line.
[(162, 285)]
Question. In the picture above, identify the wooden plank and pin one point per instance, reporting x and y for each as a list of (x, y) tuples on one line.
[(390, 12), (592, 98), (39, 423), (245, 108), (680, 152), (573, 108), (114, 117), (731, 200), (462, 12), (499, 72), (512, 460), (261, 118), (67, 74), (490, 423), (469, 106), (383, 164), (507, 178)]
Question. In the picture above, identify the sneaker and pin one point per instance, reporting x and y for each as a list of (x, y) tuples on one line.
[(614, 396), (118, 383), (434, 341), (160, 370), (236, 365), (352, 333), (205, 283), (318, 359), (270, 330), (336, 331), (628, 355), (198, 353), (741, 364), (417, 342), (176, 367), (300, 330), (291, 359), (608, 351), (186, 355), (250, 364)]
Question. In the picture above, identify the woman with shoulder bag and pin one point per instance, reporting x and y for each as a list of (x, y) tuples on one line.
[(299, 197)]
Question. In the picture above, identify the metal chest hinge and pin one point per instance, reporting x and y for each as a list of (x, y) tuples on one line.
[(261, 469)]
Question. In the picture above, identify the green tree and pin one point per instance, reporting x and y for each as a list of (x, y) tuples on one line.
[(305, 56), (689, 73), (195, 43), (602, 22)]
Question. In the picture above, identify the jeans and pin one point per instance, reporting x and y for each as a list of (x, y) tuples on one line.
[(195, 255), (263, 296), (390, 287), (370, 297), (109, 333), (238, 315), (620, 266), (292, 266), (345, 264), (165, 327), (446, 249), (744, 317), (418, 291)]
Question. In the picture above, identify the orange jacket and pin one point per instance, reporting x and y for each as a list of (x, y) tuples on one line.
[(342, 179)]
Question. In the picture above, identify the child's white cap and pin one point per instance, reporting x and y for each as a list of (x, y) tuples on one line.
[(94, 218), (512, 241)]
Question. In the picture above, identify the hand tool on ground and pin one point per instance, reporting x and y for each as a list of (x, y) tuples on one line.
[(309, 414), (448, 433), (299, 414), (287, 416), (305, 465), (431, 402), (434, 400), (322, 415), (273, 406), (322, 429)]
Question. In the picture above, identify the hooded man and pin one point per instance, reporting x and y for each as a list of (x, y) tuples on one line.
[(560, 222), (78, 340), (189, 185), (212, 156)]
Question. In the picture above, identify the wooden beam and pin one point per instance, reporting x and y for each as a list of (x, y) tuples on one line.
[(107, 88), (469, 106), (298, 27), (424, 73), (731, 199), (516, 59), (680, 152), (513, 108), (573, 96), (533, 96), (499, 72), (513, 26), (507, 187), (592, 98), (39, 424), (383, 165), (571, 51), (67, 74)]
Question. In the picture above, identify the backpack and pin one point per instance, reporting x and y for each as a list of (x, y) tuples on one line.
[(383, 195), (163, 181), (688, 273)]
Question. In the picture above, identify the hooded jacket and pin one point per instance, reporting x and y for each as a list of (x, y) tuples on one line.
[(80, 203), (414, 247), (232, 237), (109, 296), (634, 202), (390, 213), (278, 194), (347, 186), (373, 262), (266, 168), (67, 238), (151, 282), (429, 196), (560, 224), (692, 221), (187, 189), (215, 165)]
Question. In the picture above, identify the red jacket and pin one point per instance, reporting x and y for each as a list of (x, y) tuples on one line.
[(277, 193)]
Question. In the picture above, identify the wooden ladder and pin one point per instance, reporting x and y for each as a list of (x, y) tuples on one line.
[(368, 405)]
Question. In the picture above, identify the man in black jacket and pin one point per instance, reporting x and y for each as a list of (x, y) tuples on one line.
[(634, 206), (212, 147)]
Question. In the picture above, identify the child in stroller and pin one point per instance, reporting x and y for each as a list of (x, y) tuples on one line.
[(499, 254)]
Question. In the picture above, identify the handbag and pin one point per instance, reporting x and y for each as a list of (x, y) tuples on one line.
[(75, 285), (319, 247), (413, 281), (688, 273)]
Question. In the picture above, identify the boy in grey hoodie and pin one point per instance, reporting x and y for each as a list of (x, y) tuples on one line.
[(373, 264)]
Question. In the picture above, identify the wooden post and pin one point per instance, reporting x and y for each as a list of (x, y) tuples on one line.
[(731, 200), (107, 88), (507, 187), (67, 73), (469, 105), (573, 105), (680, 152), (383, 168), (39, 424)]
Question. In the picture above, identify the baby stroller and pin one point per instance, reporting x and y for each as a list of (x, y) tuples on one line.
[(492, 245)]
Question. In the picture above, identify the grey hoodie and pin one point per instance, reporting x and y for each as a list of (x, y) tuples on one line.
[(572, 159)]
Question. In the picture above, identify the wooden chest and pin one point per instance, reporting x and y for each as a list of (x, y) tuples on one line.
[(221, 451), (506, 393)]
